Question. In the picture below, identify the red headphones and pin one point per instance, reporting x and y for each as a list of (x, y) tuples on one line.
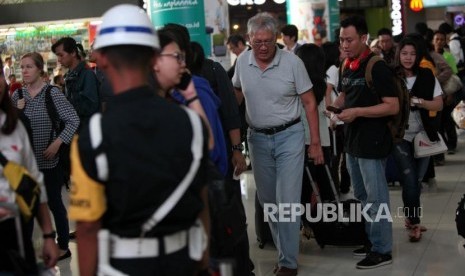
[(354, 64)]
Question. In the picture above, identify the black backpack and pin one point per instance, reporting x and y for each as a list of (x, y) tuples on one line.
[(460, 217)]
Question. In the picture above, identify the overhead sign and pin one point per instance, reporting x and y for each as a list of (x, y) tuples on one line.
[(252, 2), (416, 5), (396, 17), (189, 13), (442, 3)]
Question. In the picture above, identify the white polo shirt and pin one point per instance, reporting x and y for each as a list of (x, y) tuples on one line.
[(272, 95)]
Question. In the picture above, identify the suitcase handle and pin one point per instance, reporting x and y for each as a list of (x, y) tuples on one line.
[(315, 187)]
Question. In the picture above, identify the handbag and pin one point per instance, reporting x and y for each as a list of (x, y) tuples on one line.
[(424, 147), (452, 85), (27, 190), (458, 114)]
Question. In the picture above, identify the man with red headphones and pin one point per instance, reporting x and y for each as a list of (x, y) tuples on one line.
[(368, 140)]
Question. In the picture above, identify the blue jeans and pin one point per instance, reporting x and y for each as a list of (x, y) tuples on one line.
[(277, 166), (370, 187), (411, 170)]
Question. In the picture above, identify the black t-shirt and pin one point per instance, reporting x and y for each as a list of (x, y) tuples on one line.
[(367, 137), (147, 141)]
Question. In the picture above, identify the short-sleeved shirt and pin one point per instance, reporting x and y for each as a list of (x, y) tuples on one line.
[(367, 137), (271, 95), (147, 141)]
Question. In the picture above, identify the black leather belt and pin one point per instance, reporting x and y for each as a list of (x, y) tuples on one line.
[(276, 129)]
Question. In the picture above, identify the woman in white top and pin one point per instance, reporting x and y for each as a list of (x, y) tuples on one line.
[(338, 161), (15, 146), (426, 100)]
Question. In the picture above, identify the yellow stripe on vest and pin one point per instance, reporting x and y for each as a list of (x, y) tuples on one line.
[(87, 196)]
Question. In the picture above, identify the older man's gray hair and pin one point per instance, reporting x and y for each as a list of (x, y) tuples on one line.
[(262, 21)]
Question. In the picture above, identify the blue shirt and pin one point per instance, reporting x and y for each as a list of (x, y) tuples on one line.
[(210, 103)]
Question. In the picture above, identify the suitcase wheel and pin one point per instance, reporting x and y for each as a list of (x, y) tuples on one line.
[(261, 245)]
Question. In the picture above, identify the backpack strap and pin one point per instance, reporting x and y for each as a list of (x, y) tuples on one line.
[(52, 112), (20, 93), (369, 68), (3, 160)]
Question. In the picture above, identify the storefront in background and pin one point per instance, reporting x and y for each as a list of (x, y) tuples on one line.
[(19, 39), (315, 19), (240, 11), (433, 13)]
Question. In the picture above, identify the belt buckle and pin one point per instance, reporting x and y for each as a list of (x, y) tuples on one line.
[(273, 130)]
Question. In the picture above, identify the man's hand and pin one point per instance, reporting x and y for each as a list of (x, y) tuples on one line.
[(238, 161), (50, 253), (315, 152), (348, 115)]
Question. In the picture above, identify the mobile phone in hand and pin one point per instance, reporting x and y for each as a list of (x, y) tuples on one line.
[(185, 80), (333, 109)]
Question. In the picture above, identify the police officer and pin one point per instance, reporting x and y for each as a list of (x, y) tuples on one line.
[(133, 161)]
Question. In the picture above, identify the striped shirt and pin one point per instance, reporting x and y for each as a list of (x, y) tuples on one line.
[(41, 125)]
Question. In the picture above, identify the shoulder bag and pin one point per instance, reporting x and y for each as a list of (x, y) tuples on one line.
[(424, 147)]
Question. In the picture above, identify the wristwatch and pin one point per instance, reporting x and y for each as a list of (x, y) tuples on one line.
[(51, 235), (238, 147)]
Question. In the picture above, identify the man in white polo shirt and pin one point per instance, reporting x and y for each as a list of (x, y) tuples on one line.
[(274, 84)]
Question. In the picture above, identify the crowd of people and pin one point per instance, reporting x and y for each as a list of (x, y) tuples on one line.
[(142, 161)]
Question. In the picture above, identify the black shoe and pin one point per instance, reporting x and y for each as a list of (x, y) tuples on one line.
[(361, 252), (374, 260), (65, 256), (72, 235)]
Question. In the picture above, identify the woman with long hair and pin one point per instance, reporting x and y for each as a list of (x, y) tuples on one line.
[(426, 99), (46, 140), (15, 146)]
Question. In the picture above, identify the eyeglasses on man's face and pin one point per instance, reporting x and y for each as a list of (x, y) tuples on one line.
[(266, 43), (178, 56)]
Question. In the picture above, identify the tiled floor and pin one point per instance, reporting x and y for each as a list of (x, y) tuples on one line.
[(440, 252)]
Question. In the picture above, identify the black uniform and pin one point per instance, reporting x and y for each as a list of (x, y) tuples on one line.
[(147, 141)]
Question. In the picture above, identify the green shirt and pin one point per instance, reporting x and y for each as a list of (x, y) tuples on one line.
[(450, 61)]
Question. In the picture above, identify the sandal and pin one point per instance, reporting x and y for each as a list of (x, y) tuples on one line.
[(408, 225), (415, 233)]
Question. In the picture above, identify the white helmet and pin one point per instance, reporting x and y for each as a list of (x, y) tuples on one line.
[(126, 24)]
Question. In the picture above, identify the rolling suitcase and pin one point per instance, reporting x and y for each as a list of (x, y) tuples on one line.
[(262, 229), (337, 232)]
